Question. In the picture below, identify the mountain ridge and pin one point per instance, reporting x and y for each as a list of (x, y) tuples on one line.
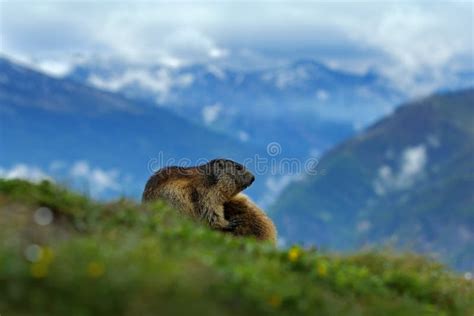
[(398, 175), (317, 105)]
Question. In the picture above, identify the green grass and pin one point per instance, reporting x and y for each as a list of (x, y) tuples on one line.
[(125, 259)]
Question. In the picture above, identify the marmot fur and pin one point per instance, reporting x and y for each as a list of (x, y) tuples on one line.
[(249, 219), (200, 192), (210, 192)]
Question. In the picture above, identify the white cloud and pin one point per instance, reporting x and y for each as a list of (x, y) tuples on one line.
[(243, 136), (210, 113), (218, 53), (151, 41), (274, 185), (322, 95), (98, 179), (55, 68), (412, 165), (80, 169), (191, 43), (217, 72), (160, 81), (405, 40), (286, 77), (414, 161), (420, 45), (26, 172)]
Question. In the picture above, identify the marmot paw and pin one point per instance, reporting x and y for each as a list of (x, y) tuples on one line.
[(233, 224)]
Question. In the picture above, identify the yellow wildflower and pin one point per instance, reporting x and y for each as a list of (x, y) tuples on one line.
[(39, 270), (322, 268), (47, 255), (95, 269), (274, 301), (294, 254)]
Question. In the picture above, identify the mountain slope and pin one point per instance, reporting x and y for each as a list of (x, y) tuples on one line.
[(67, 128), (61, 253), (407, 180)]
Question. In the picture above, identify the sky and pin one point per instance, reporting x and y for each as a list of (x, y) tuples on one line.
[(403, 40)]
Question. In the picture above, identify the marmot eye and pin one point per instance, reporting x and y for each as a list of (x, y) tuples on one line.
[(239, 167)]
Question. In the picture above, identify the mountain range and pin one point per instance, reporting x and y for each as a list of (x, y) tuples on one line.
[(304, 101), (173, 111), (406, 181)]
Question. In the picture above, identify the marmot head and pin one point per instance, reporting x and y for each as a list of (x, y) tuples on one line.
[(229, 176)]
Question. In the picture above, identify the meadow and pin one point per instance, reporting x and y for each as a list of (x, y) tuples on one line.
[(62, 253)]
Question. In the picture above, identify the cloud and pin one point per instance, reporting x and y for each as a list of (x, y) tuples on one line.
[(243, 136), (284, 78), (54, 68), (412, 165), (417, 44), (322, 95), (217, 72), (191, 43), (160, 81), (210, 113), (26, 172), (275, 185), (413, 162), (146, 33), (98, 179)]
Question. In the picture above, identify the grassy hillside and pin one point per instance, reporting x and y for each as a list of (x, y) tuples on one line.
[(408, 180), (123, 259)]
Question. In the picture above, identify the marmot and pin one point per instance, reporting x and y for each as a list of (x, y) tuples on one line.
[(249, 219), (209, 192)]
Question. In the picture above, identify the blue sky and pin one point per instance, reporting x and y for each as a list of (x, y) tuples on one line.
[(403, 40)]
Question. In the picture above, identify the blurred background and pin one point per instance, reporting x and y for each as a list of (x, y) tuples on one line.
[(98, 95)]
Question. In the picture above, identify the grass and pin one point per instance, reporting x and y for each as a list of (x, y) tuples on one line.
[(121, 258)]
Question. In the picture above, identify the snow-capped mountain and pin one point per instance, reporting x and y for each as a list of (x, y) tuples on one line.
[(305, 106)]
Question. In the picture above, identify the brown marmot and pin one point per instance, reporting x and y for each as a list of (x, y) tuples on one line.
[(209, 192), (248, 219)]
